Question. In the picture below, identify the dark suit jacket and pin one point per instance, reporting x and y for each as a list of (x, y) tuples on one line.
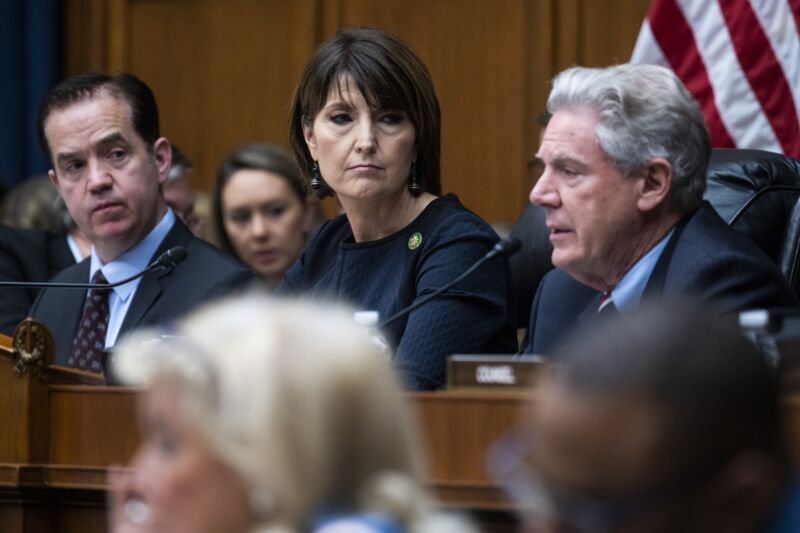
[(704, 259), (27, 255), (162, 296)]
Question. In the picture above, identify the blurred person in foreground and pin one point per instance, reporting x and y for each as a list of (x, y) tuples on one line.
[(259, 209), (365, 126), (178, 193), (251, 424), (667, 420), (101, 134), (625, 156)]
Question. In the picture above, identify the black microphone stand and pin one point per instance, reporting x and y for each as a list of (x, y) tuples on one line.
[(504, 247), (167, 260)]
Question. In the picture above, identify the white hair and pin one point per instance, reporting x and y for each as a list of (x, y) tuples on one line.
[(298, 399), (644, 112)]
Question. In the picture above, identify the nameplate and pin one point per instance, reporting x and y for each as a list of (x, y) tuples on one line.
[(493, 371)]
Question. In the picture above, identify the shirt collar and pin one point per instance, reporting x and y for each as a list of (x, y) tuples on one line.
[(627, 294), (74, 249), (134, 260)]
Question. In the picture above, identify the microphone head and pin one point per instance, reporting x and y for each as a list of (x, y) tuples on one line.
[(508, 246), (172, 257)]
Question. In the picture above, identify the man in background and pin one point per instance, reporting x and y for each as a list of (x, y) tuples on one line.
[(110, 163), (38, 239), (179, 195), (625, 156)]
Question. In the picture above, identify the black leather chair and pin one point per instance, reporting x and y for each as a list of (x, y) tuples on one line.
[(756, 192), (531, 262)]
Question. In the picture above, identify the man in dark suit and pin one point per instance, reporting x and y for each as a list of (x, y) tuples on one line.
[(28, 255), (38, 239), (625, 156), (110, 163)]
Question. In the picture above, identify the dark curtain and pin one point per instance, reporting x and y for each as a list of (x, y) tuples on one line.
[(30, 63)]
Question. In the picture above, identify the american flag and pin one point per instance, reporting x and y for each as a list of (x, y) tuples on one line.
[(741, 61)]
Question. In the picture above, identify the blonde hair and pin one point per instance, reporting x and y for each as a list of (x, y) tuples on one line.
[(298, 399)]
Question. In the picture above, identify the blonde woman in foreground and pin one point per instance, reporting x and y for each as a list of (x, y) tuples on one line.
[(269, 416)]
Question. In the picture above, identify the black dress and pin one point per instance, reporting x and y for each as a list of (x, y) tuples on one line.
[(386, 275)]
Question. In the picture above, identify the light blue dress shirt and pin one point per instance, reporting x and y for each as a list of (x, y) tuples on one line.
[(126, 265), (627, 294)]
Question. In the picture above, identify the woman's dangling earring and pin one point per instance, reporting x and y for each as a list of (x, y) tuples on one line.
[(316, 179), (413, 187)]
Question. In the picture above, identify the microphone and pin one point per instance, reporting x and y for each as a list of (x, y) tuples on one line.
[(166, 261), (503, 247), (171, 257)]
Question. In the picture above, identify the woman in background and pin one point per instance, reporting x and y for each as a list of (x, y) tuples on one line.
[(259, 209), (365, 126), (271, 430)]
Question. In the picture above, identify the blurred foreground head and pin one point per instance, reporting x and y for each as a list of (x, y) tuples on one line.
[(251, 421), (667, 420)]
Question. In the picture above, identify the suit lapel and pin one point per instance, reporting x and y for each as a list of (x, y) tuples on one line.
[(658, 278), (150, 286), (590, 311), (59, 256)]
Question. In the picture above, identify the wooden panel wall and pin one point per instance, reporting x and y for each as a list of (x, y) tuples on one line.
[(224, 70)]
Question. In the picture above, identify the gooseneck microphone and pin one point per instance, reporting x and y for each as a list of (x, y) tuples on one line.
[(166, 261), (170, 258), (505, 247)]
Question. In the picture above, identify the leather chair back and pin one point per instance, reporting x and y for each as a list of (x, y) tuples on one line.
[(531, 262), (756, 193)]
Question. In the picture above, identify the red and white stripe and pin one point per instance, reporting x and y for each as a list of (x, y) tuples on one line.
[(741, 61)]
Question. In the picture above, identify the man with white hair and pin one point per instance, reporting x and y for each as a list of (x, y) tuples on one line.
[(625, 156)]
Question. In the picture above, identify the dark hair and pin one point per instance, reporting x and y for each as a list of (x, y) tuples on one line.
[(124, 86), (716, 393), (389, 75), (180, 163), (255, 156)]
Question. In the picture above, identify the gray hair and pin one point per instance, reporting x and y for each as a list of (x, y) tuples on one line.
[(645, 112)]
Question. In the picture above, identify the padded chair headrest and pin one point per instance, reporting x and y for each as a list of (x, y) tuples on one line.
[(754, 191)]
